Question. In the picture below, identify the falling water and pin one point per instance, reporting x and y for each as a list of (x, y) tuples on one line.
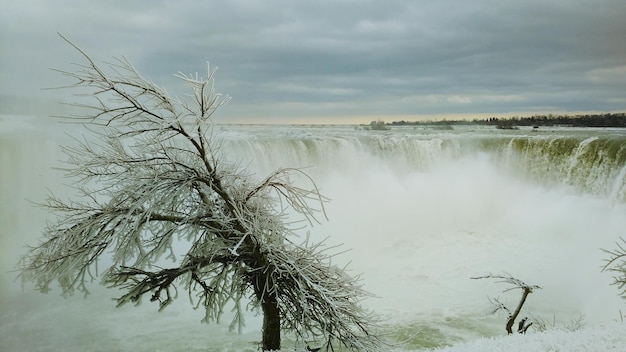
[(422, 211)]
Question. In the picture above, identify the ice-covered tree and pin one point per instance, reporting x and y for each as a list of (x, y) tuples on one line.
[(152, 179)]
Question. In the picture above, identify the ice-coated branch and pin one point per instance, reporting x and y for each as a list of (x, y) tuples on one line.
[(616, 264), (508, 279), (207, 100), (516, 284), (321, 300)]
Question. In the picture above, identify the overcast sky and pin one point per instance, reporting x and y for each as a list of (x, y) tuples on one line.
[(348, 60)]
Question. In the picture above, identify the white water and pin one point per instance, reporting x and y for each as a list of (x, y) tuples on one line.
[(423, 212)]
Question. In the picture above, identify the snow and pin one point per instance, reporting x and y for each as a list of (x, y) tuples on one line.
[(607, 338)]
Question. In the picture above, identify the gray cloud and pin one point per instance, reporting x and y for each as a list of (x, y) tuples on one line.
[(300, 59)]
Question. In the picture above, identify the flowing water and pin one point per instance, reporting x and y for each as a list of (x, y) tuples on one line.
[(421, 210)]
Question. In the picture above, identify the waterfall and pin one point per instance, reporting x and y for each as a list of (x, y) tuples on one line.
[(590, 163)]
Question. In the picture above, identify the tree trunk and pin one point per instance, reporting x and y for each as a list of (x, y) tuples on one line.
[(511, 321), (266, 294), (271, 323), (269, 306)]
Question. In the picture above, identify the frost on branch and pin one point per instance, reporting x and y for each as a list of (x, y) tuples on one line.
[(524, 324), (616, 264), (151, 179)]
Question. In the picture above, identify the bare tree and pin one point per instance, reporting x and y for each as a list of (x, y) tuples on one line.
[(524, 324), (152, 178), (616, 263)]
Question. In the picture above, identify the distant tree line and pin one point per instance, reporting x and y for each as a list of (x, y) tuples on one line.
[(589, 120)]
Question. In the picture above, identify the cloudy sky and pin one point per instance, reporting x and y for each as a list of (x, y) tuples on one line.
[(338, 61)]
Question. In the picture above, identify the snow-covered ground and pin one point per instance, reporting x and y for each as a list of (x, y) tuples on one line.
[(609, 338)]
